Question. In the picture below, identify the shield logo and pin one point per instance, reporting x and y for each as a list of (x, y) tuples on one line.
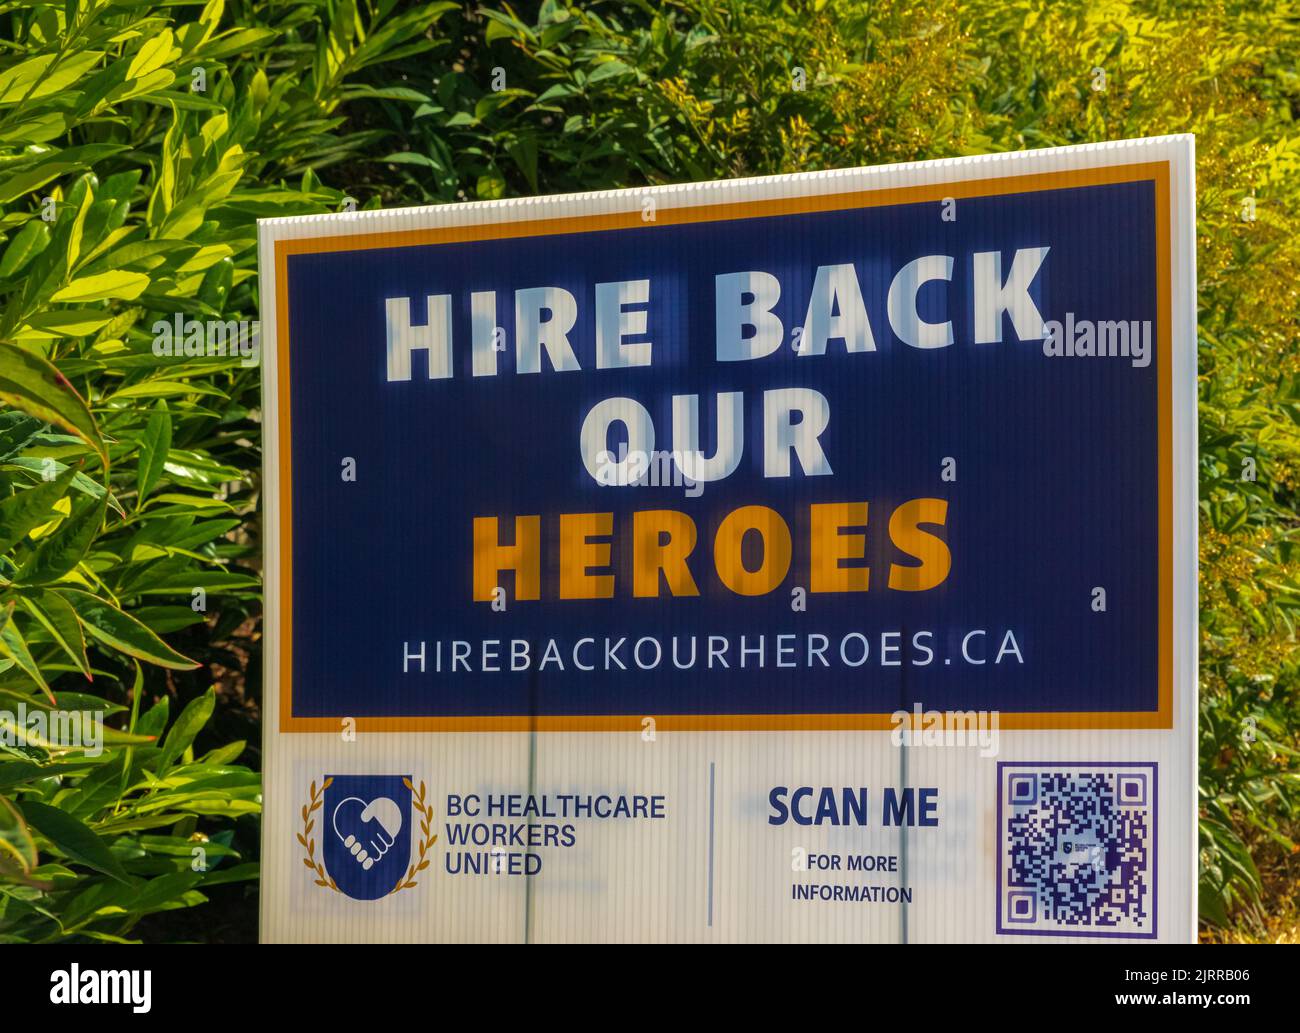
[(366, 833)]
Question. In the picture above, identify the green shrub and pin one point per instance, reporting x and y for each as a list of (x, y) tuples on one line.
[(129, 480)]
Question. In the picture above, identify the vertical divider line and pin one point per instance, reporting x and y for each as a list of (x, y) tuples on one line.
[(712, 766), (902, 850), (902, 788), (532, 790)]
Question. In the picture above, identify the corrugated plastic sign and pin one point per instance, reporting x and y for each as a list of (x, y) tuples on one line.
[(800, 558)]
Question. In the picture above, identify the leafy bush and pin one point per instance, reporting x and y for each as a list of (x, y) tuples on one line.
[(139, 142), (128, 480)]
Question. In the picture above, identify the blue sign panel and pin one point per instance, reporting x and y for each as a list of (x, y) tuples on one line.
[(770, 464)]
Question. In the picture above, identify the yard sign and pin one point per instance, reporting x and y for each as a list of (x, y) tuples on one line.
[(809, 557)]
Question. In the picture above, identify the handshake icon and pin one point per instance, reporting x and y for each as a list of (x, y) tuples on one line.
[(367, 830)]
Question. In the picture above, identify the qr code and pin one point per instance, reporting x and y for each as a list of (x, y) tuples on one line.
[(1076, 849)]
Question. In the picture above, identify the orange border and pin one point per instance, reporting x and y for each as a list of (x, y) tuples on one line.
[(1156, 172)]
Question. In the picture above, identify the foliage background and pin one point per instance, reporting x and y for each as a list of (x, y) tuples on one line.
[(156, 185)]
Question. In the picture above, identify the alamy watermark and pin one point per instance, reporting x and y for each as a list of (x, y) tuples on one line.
[(178, 338), (919, 727), (656, 469), (81, 730), (127, 986)]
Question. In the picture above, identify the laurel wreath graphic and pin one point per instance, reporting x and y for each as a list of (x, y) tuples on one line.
[(323, 878), (309, 844), (427, 840)]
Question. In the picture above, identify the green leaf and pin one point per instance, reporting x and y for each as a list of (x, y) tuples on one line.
[(491, 186), (164, 890), (66, 322), (224, 754), (16, 430), (66, 700), (57, 616), (82, 483), (73, 838), (13, 187), (410, 158), (385, 93), (31, 507), (29, 242), (79, 222), (160, 388), (115, 284), (38, 126), (122, 632), (41, 76), (609, 70), (66, 546), (15, 840), (187, 726), (237, 873), (154, 720), (16, 772), (14, 646), (32, 384), (524, 153), (128, 759), (155, 443), (156, 52)]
